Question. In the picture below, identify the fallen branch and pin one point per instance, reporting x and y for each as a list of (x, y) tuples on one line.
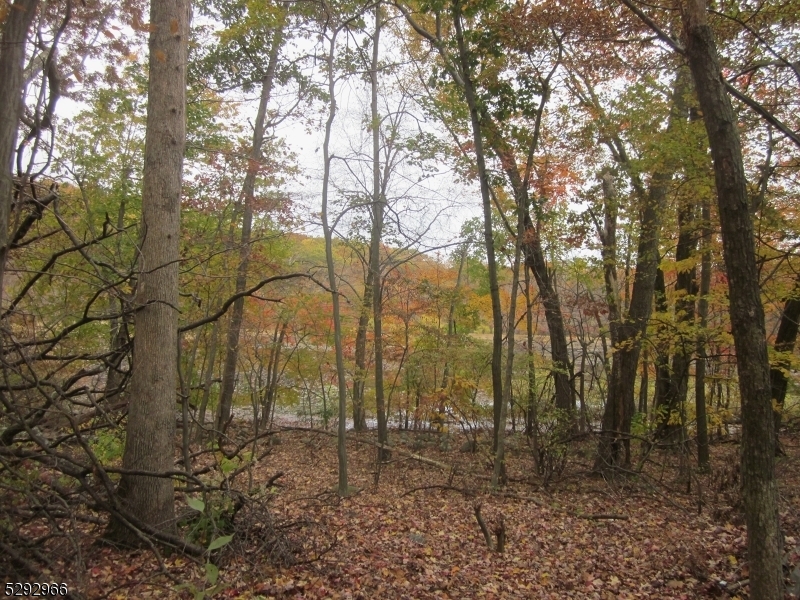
[(735, 586), (271, 481), (467, 492), (483, 527), (602, 517), (394, 449)]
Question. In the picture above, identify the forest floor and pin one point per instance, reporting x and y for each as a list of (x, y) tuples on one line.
[(414, 534)]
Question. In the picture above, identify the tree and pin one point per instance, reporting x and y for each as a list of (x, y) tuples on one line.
[(12, 58), (459, 64), (337, 25), (148, 499), (631, 327), (759, 486), (248, 192), (378, 203)]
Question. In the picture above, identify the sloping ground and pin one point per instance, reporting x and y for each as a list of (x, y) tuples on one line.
[(415, 535)]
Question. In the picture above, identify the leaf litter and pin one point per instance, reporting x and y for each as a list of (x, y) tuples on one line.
[(415, 535)]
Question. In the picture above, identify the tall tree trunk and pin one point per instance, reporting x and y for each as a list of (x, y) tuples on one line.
[(378, 203), (499, 471), (759, 486), (619, 402), (661, 344), (149, 443), (531, 416), (360, 376), (608, 251), (248, 192), (535, 261), (700, 368), (12, 64), (465, 69), (559, 349), (342, 488)]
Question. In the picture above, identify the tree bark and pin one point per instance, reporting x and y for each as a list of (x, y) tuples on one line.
[(149, 443), (341, 445), (12, 64), (608, 252), (359, 378), (661, 345), (465, 68), (531, 413), (378, 205), (618, 412), (684, 345), (700, 368), (499, 471), (208, 377), (784, 347), (759, 486), (248, 192)]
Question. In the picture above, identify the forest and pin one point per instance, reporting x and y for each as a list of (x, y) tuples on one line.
[(399, 299)]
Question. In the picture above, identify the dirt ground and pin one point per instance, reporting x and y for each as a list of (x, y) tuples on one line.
[(414, 534)]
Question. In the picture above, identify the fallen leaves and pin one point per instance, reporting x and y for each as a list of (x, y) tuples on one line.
[(425, 545)]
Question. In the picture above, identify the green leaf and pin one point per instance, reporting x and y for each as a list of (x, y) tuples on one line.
[(196, 504), (219, 542), (212, 573)]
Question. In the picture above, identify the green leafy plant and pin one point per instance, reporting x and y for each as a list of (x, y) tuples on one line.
[(108, 445), (211, 584)]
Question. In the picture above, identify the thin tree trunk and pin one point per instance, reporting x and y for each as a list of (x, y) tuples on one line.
[(378, 204), (342, 488), (608, 240), (535, 261), (531, 416), (274, 372), (700, 369), (670, 427), (451, 316), (12, 64), (562, 366), (465, 68), (208, 377), (644, 383), (759, 486), (661, 344), (499, 471), (149, 443), (248, 192), (359, 378)]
